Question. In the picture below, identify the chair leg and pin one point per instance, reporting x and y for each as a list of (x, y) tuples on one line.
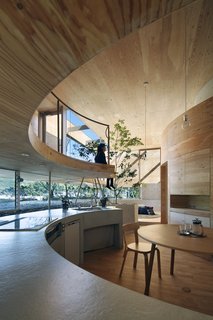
[(172, 262), (124, 259), (146, 264), (159, 262), (135, 260)]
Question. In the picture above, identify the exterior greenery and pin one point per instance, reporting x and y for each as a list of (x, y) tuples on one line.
[(34, 193), (121, 155)]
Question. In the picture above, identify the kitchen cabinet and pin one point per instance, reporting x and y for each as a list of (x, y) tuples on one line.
[(72, 241), (55, 237), (64, 238), (86, 231)]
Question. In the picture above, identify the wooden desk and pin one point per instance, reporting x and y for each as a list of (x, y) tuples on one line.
[(166, 235)]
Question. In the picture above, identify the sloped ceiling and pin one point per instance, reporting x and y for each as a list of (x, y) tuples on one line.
[(110, 48)]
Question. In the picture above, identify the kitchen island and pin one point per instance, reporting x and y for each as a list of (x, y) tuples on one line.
[(37, 283)]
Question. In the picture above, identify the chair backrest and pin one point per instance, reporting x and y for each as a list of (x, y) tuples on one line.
[(130, 228)]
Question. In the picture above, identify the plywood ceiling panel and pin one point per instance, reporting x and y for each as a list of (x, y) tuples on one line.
[(111, 85), (42, 42)]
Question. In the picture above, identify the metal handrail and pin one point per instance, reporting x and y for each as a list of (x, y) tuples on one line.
[(107, 131)]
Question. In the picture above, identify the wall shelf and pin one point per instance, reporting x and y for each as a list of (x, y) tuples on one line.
[(193, 212), (190, 202)]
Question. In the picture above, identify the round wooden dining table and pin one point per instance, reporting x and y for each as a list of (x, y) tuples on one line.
[(167, 235)]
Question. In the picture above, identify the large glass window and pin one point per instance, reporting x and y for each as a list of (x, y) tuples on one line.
[(34, 191), (70, 191), (7, 190), (58, 191)]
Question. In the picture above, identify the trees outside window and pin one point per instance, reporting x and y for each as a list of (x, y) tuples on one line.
[(7, 190)]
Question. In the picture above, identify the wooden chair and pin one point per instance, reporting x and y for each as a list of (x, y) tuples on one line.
[(137, 247)]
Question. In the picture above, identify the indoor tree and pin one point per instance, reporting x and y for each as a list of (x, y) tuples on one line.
[(121, 154)]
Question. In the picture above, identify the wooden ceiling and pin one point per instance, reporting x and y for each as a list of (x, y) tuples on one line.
[(105, 50)]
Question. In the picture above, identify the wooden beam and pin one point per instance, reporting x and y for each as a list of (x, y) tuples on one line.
[(150, 171)]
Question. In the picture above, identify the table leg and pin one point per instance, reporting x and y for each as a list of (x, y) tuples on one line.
[(149, 271)]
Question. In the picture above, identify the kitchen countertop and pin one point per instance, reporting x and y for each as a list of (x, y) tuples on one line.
[(37, 283)]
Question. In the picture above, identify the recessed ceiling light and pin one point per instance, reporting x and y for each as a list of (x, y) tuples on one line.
[(25, 154)]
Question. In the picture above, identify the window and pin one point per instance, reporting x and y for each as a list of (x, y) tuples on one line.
[(7, 190), (34, 191)]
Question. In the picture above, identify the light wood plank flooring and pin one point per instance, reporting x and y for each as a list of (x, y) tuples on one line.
[(191, 286)]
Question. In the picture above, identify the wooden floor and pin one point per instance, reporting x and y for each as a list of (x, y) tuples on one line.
[(191, 286)]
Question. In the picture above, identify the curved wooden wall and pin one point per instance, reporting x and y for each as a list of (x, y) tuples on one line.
[(189, 153), (127, 43), (42, 42), (199, 135)]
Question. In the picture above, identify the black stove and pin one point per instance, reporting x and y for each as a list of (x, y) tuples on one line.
[(25, 223)]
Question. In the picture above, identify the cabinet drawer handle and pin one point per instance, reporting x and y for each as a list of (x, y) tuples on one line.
[(73, 222)]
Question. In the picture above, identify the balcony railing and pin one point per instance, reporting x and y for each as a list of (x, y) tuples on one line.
[(66, 130)]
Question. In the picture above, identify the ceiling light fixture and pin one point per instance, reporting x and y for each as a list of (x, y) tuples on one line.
[(145, 100), (186, 122)]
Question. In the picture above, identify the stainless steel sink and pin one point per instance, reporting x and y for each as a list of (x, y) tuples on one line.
[(86, 208)]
